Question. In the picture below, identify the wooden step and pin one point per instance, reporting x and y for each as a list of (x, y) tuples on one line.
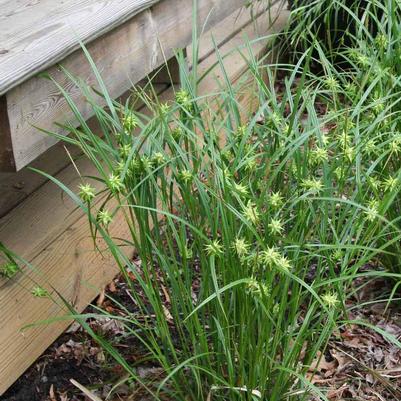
[(127, 39), (47, 230)]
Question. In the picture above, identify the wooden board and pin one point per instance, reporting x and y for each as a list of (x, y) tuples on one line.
[(16, 186), (124, 55), (47, 230), (35, 35)]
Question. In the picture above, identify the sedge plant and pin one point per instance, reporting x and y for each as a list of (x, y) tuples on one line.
[(248, 228)]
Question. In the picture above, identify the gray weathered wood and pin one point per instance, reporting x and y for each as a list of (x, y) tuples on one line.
[(35, 35), (123, 56)]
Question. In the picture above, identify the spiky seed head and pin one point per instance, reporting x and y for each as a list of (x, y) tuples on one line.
[(257, 288), (319, 155), (9, 270), (251, 164), (130, 121), (158, 159), (104, 217), (39, 292), (390, 183), (284, 264), (164, 109), (241, 247), (187, 253), (251, 213), (381, 41), (349, 153), (330, 299), (276, 200), (344, 139), (371, 147), (372, 211), (214, 248), (240, 132), (186, 176), (86, 192), (374, 182), (125, 150), (146, 163), (276, 226), (270, 256), (332, 84), (312, 185), (241, 189), (115, 183), (177, 134)]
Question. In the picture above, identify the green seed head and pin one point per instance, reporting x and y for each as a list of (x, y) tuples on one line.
[(177, 134), (158, 159), (284, 264), (214, 248), (332, 84), (241, 189), (258, 289), (381, 41), (330, 299), (39, 292), (270, 256), (390, 183), (312, 185), (186, 176), (187, 253), (276, 226), (125, 150), (130, 122), (276, 200), (104, 217), (319, 155), (240, 132), (371, 147), (349, 153), (251, 213), (115, 183), (241, 247), (164, 109), (9, 270), (372, 211), (86, 192)]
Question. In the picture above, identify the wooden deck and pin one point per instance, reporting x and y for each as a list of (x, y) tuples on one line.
[(40, 224), (35, 35), (127, 39)]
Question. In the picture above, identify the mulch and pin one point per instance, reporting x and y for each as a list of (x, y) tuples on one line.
[(360, 363)]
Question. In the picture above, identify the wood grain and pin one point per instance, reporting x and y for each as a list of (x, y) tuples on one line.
[(124, 55), (48, 231), (17, 186), (6, 150), (35, 35)]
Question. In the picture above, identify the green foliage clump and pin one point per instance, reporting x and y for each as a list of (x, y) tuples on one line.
[(255, 227)]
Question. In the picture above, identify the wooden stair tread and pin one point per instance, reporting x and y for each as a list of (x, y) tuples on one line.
[(37, 34)]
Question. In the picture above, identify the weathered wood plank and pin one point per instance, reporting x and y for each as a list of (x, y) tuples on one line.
[(35, 35), (124, 55), (6, 149), (17, 186), (47, 231)]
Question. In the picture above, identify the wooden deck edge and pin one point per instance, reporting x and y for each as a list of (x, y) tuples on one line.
[(17, 186), (47, 231), (126, 54)]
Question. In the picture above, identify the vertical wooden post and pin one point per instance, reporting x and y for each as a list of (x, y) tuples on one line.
[(7, 163)]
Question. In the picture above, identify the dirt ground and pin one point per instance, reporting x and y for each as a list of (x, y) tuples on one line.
[(359, 364)]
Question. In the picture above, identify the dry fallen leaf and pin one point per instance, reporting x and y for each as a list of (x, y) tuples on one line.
[(87, 392)]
